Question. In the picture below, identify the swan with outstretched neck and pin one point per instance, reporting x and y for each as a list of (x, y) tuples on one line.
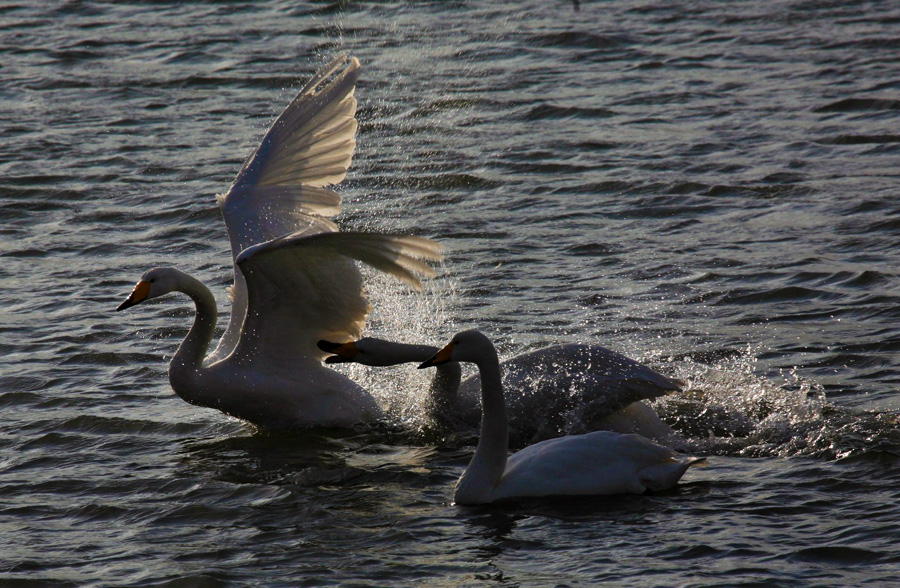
[(295, 275), (597, 463), (556, 390)]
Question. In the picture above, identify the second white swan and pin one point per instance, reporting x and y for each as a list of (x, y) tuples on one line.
[(596, 463)]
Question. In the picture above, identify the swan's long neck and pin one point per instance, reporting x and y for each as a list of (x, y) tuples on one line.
[(489, 462), (185, 367), (392, 353), (442, 395)]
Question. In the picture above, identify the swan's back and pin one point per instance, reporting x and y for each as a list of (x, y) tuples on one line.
[(593, 464), (603, 376), (568, 389)]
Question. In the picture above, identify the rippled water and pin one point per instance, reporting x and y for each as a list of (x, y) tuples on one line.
[(708, 187)]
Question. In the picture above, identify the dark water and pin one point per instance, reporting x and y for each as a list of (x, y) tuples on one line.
[(708, 187)]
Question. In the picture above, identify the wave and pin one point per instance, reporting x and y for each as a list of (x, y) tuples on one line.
[(580, 40), (859, 104), (551, 111), (861, 139)]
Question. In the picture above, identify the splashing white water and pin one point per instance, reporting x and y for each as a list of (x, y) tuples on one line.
[(728, 408), (399, 314)]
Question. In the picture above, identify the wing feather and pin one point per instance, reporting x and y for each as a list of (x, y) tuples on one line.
[(281, 187), (309, 146), (302, 288)]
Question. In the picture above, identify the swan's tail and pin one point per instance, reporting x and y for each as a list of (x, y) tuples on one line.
[(666, 474)]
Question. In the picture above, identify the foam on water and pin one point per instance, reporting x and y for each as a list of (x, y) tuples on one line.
[(729, 407)]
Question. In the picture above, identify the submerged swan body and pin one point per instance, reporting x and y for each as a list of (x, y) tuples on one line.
[(595, 463), (295, 278), (557, 390)]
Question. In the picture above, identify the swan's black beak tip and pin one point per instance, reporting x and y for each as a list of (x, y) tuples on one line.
[(327, 346), (140, 293), (442, 356), (432, 361), (343, 352), (127, 304)]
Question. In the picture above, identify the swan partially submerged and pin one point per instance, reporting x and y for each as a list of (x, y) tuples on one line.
[(295, 276), (595, 463), (554, 391)]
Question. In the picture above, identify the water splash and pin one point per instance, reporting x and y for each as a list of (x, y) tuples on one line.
[(727, 408), (399, 314)]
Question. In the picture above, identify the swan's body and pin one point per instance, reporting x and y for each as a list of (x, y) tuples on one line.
[(558, 390), (295, 280), (596, 463)]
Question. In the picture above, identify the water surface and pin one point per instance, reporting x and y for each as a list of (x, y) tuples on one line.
[(709, 188)]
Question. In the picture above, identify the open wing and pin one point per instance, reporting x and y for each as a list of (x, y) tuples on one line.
[(568, 387), (602, 378), (281, 187), (302, 288)]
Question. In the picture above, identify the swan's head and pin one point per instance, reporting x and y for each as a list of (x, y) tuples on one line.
[(367, 351), (470, 346), (154, 283)]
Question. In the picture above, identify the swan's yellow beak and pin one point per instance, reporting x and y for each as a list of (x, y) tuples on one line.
[(138, 295), (343, 352), (442, 356)]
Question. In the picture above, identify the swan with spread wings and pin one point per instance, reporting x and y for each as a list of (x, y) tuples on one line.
[(295, 276)]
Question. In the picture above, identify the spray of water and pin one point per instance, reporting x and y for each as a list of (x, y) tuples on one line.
[(728, 408), (399, 314)]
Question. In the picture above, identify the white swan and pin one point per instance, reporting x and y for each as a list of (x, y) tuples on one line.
[(596, 463), (295, 281), (557, 390)]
